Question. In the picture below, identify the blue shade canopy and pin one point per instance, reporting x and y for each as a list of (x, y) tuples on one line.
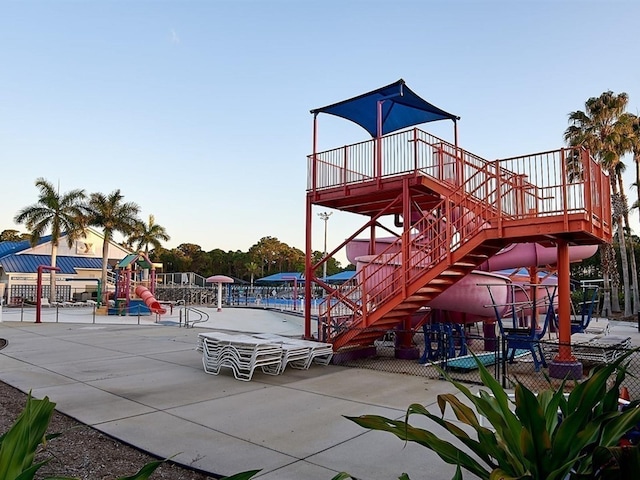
[(401, 108), (282, 277), (341, 277)]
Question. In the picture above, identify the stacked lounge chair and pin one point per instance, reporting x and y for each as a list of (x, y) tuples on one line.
[(271, 353), (317, 352), (240, 353), (591, 348)]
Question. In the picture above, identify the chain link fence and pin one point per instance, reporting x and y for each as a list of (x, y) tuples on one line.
[(452, 351)]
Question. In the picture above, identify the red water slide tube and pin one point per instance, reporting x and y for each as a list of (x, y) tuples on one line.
[(149, 300)]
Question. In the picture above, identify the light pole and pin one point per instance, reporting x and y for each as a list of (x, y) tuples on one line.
[(325, 217)]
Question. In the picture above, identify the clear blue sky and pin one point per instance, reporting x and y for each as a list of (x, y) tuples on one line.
[(199, 110)]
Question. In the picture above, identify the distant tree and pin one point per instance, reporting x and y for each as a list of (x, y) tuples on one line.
[(112, 215), (268, 252), (149, 234), (333, 265), (293, 259), (252, 269), (218, 259), (58, 213), (173, 260), (13, 236), (602, 128), (632, 123), (236, 263), (196, 259)]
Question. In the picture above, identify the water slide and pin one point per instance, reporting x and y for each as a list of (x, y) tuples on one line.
[(533, 255), (149, 300), (468, 298)]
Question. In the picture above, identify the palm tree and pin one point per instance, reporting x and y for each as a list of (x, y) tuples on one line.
[(61, 214), (601, 129), (112, 215), (149, 234), (632, 123), (633, 138), (252, 269)]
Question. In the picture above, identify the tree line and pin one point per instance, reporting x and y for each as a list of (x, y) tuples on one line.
[(265, 257)]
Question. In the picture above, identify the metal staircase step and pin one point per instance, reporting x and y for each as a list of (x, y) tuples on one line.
[(465, 264), (441, 281), (428, 290)]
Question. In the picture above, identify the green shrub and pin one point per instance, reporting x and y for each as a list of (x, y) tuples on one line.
[(548, 436)]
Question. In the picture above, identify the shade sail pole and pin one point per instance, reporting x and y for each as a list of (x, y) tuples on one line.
[(455, 134), (378, 161), (314, 171)]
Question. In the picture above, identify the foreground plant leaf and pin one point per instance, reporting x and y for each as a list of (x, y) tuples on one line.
[(145, 472), (20, 442), (445, 450), (539, 436), (242, 475)]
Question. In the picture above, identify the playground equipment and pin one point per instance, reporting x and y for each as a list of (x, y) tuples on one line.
[(129, 279), (454, 211), (149, 300)]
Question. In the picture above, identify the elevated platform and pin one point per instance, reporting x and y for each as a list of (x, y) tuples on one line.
[(451, 209)]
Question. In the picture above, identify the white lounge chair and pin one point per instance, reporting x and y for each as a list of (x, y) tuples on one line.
[(241, 353), (319, 352)]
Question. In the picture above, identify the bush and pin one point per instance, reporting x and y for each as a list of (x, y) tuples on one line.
[(548, 436)]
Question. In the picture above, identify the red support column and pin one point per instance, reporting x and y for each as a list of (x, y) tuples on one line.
[(308, 272), (39, 290), (564, 305), (565, 364)]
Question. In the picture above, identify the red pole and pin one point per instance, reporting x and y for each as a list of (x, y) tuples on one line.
[(564, 305), (39, 290), (39, 294), (308, 271)]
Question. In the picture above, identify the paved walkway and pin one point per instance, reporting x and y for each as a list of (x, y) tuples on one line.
[(145, 384), (142, 381)]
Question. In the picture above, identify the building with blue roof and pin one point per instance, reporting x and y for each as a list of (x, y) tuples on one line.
[(80, 267)]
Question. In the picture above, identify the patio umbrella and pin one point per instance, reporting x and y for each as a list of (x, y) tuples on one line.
[(219, 279)]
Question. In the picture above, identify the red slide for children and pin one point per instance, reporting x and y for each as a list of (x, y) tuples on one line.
[(149, 300)]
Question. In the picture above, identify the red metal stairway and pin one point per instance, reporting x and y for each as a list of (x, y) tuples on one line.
[(465, 209)]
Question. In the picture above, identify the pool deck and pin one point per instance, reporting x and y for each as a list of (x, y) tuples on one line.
[(145, 384)]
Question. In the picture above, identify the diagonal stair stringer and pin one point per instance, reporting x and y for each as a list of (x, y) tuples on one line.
[(422, 286)]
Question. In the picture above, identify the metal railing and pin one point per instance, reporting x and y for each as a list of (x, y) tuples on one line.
[(181, 279), (187, 312), (478, 195), (545, 183)]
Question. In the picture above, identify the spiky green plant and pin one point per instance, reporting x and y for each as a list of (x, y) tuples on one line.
[(18, 445), (546, 436)]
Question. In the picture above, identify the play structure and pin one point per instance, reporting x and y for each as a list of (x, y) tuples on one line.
[(134, 294), (439, 224)]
